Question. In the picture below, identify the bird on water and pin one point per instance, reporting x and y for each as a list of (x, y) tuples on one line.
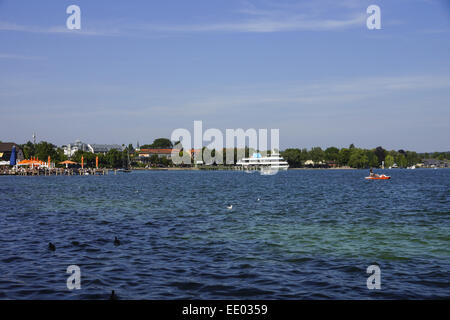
[(113, 296), (51, 246), (116, 241), (230, 207)]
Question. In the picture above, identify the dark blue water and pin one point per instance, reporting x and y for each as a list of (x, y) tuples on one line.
[(312, 234)]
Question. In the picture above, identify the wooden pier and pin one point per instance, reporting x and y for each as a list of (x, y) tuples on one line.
[(54, 172)]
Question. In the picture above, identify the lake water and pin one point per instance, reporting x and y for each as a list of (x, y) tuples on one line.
[(311, 235)]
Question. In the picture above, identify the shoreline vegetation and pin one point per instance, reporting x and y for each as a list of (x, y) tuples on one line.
[(147, 158)]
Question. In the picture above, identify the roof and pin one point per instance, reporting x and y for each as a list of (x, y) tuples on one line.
[(7, 146), (156, 151), (166, 151), (105, 147)]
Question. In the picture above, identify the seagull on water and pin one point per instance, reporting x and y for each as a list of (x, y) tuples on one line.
[(230, 207)]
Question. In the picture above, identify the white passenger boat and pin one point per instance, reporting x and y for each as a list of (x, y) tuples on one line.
[(267, 165)]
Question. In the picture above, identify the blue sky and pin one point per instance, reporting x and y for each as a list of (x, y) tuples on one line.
[(137, 70)]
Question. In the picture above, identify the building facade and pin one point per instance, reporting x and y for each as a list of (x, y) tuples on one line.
[(71, 148), (6, 151), (104, 148), (144, 154)]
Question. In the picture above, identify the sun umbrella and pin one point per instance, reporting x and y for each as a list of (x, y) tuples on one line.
[(29, 163), (67, 162), (23, 162), (12, 160)]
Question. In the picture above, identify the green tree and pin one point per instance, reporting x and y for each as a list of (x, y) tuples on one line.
[(401, 160), (372, 159), (412, 158), (344, 157), (317, 154), (28, 149), (304, 155), (44, 149), (162, 143), (88, 158), (60, 156), (389, 161), (293, 157), (358, 159), (112, 159), (332, 154)]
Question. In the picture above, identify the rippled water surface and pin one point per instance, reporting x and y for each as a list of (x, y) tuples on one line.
[(312, 234)]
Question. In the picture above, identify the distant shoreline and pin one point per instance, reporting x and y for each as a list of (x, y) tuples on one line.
[(223, 169), (337, 168), (231, 169), (106, 171)]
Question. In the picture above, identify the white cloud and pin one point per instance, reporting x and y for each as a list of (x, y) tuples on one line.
[(256, 25), (278, 17), (259, 25), (6, 26), (271, 17), (18, 57)]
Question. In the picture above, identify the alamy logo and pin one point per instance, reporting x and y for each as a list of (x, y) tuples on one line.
[(74, 281), (212, 153), (374, 20), (74, 20), (374, 281)]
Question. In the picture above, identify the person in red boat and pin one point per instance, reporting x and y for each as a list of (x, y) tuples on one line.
[(371, 174)]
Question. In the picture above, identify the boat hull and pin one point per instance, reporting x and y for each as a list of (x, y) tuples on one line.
[(378, 178)]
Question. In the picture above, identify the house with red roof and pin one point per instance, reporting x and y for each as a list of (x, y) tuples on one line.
[(145, 154)]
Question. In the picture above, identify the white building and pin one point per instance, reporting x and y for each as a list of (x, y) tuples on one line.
[(71, 148), (104, 148)]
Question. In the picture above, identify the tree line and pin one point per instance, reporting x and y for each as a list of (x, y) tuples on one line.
[(352, 156), (356, 157)]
